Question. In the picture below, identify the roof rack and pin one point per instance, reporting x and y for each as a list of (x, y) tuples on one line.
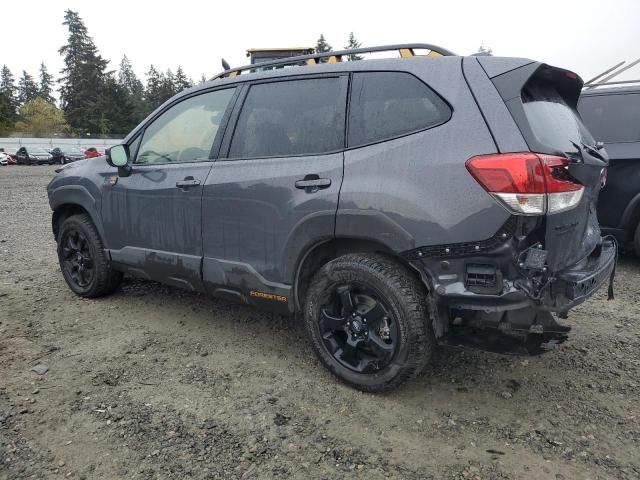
[(405, 50), (606, 80)]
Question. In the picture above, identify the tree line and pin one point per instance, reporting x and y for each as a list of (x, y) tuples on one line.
[(93, 99)]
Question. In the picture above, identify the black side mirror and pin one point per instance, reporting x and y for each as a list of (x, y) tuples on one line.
[(118, 156)]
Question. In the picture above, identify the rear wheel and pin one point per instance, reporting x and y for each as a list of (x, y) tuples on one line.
[(636, 241), (368, 320), (82, 258)]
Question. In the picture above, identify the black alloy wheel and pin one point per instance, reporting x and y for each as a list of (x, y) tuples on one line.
[(357, 329), (76, 258)]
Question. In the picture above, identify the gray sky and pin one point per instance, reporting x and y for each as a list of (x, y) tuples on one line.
[(586, 36)]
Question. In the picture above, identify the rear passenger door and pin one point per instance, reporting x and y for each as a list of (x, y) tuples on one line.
[(276, 192)]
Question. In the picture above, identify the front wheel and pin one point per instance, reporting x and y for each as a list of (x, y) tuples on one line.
[(82, 258), (369, 321)]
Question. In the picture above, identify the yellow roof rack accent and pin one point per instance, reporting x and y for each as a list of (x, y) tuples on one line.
[(405, 51)]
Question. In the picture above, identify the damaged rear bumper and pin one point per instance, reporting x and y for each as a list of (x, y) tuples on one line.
[(575, 284)]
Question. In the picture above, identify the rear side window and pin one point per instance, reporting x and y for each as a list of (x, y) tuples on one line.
[(297, 117), (389, 104), (554, 123), (612, 118)]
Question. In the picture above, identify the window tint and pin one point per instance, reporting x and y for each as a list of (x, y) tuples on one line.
[(554, 123), (612, 118), (186, 131), (387, 104), (298, 117)]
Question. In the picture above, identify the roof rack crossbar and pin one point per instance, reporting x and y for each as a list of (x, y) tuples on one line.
[(313, 58), (604, 84)]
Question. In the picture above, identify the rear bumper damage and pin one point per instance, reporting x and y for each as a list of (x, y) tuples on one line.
[(492, 296)]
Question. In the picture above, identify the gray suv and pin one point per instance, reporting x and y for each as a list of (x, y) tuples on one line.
[(394, 204)]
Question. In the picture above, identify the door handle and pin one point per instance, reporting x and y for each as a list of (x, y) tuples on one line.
[(313, 182), (187, 182)]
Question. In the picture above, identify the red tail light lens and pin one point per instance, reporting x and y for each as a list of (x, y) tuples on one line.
[(527, 183)]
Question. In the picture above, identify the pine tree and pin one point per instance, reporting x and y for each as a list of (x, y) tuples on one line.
[(27, 88), (127, 78), (7, 114), (83, 80), (45, 89), (120, 110), (353, 43), (203, 79), (322, 46), (181, 81), (155, 81), (8, 87), (134, 93), (485, 50)]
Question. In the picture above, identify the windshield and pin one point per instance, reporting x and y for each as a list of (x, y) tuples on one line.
[(554, 123)]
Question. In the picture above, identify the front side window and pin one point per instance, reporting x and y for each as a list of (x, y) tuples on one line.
[(612, 118), (185, 132), (296, 117), (389, 104)]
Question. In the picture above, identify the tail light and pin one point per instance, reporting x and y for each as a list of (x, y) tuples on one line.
[(527, 183)]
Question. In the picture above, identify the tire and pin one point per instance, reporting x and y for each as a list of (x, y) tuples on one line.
[(404, 303), (636, 241), (90, 282)]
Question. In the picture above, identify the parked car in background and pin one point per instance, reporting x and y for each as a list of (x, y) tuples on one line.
[(92, 152), (6, 159), (394, 204), (33, 156), (612, 114), (73, 154)]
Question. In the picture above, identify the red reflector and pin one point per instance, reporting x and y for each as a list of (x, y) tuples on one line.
[(522, 173)]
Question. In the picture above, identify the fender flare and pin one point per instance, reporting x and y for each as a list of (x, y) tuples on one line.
[(80, 196)]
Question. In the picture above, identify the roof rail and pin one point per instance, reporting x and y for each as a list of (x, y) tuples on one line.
[(405, 50)]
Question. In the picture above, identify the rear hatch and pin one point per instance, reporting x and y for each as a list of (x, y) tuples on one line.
[(543, 102)]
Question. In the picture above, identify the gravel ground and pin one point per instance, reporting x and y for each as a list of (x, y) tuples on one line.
[(154, 382)]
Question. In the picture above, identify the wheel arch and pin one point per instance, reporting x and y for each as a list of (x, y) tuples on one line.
[(320, 253)]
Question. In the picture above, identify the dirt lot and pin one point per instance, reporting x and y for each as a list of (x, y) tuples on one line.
[(154, 382)]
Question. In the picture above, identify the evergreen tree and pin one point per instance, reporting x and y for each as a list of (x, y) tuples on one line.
[(155, 81), (322, 46), (83, 80), (127, 78), (485, 50), (168, 85), (120, 110), (8, 87), (45, 89), (27, 88), (353, 43), (7, 114), (203, 79), (134, 91), (181, 81)]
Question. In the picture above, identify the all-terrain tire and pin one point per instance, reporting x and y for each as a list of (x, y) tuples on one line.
[(406, 298), (105, 280)]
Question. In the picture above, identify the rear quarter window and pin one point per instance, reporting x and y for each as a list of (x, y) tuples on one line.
[(554, 123), (385, 105), (613, 118)]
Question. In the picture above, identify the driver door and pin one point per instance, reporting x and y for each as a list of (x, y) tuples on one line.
[(153, 218)]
